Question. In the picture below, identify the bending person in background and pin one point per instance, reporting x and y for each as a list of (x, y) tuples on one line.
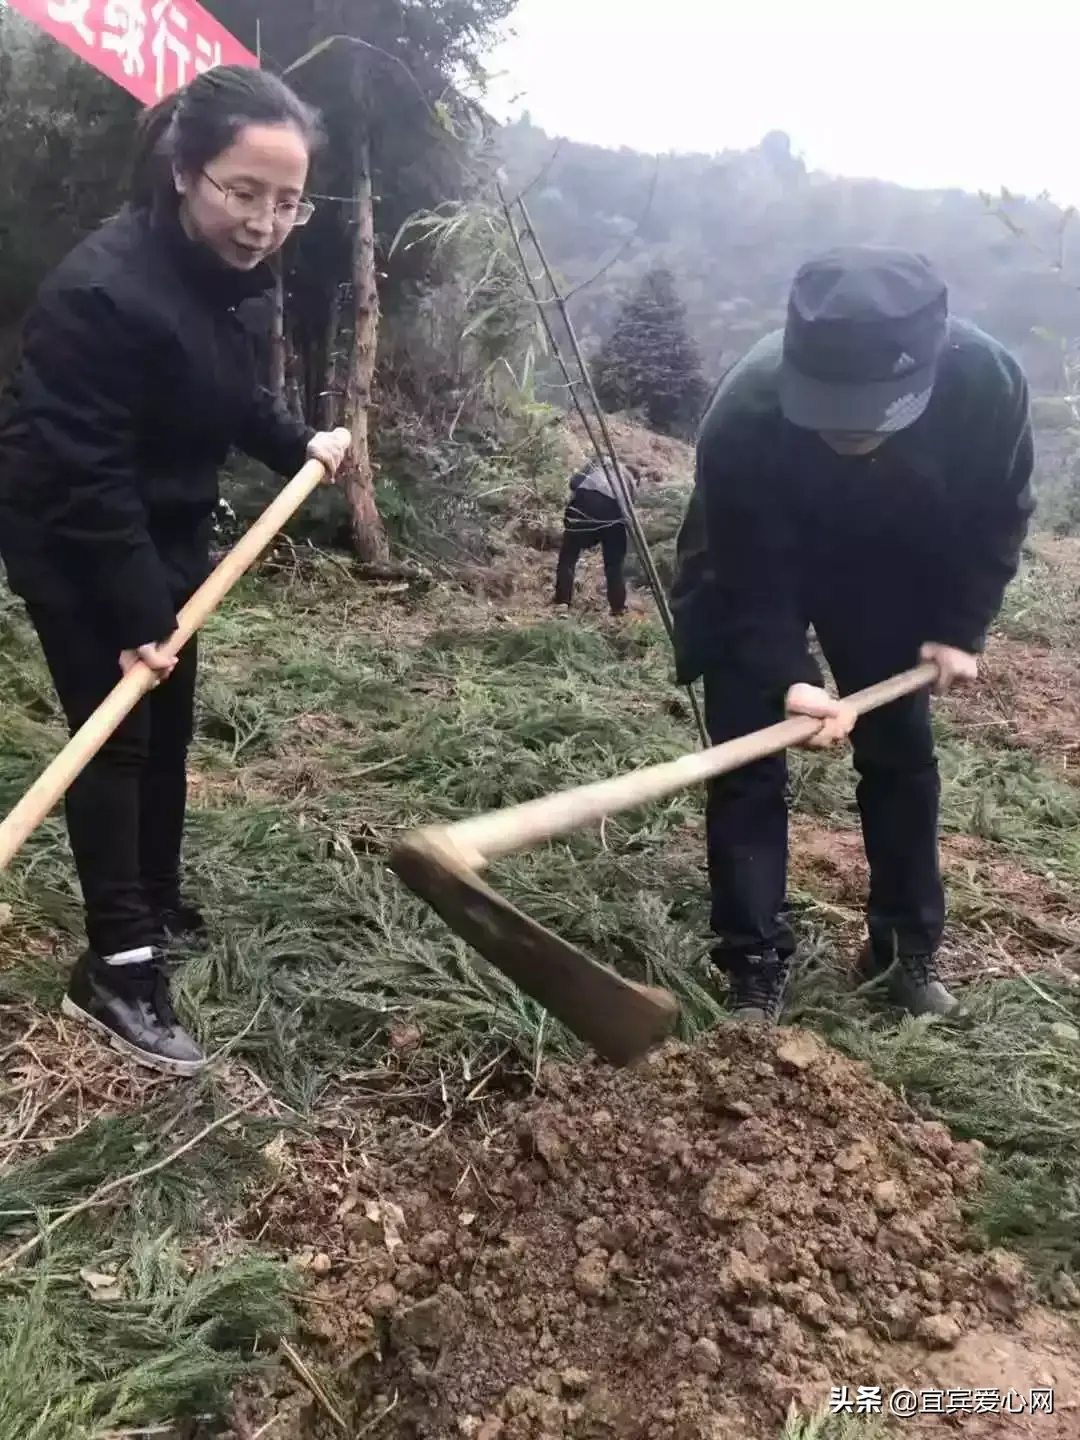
[(864, 472), (139, 370), (594, 516)]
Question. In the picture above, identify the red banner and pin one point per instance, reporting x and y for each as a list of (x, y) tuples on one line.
[(150, 47)]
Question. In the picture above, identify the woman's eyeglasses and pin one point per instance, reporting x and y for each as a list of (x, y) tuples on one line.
[(242, 203)]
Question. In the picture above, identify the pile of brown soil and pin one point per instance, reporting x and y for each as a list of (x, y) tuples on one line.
[(674, 1253)]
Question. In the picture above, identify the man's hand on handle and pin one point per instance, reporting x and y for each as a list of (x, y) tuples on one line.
[(838, 716), (330, 447), (955, 667)]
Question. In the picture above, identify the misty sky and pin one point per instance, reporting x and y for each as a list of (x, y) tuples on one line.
[(928, 94)]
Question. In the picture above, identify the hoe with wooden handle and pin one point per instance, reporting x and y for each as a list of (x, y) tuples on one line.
[(621, 1020), (54, 782)]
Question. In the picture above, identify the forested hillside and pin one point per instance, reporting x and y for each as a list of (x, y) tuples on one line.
[(734, 227)]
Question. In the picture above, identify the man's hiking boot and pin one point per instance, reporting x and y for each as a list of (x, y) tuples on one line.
[(912, 982), (130, 1007), (758, 987)]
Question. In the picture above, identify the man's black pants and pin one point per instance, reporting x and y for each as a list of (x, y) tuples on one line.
[(125, 812), (593, 518), (898, 796)]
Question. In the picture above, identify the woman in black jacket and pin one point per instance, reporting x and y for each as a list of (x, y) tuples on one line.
[(139, 371)]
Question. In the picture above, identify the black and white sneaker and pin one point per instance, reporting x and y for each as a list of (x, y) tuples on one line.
[(759, 985), (130, 1007)]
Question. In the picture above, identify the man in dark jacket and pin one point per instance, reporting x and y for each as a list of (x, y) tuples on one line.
[(594, 516), (864, 472)]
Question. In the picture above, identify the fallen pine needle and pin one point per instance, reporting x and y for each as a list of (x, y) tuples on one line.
[(304, 1373), (104, 1192), (380, 1417), (231, 1045)]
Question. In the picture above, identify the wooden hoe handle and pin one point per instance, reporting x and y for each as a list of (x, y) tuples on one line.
[(54, 782), (501, 832), (620, 1018)]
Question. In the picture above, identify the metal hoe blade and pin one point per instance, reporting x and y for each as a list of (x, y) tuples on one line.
[(618, 1018)]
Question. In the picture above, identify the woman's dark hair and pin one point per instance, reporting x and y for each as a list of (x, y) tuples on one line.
[(188, 129)]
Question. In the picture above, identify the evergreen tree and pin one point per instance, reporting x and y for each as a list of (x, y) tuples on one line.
[(650, 362)]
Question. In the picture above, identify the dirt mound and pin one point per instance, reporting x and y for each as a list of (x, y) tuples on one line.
[(673, 1253)]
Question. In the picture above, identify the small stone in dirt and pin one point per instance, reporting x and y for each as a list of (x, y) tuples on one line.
[(930, 1284), (753, 1241), (728, 1192), (517, 1400), (1064, 1290), (102, 1286), (886, 1197), (404, 1037), (901, 1315), (575, 1381), (903, 1238), (321, 1265), (603, 1408), (1067, 1034), (548, 1144), (382, 1300), (937, 1138), (743, 1276), (361, 1229), (431, 1247), (1006, 1290), (705, 1356), (591, 1274), (429, 1323), (621, 1266), (594, 1234), (855, 1157), (938, 1331), (798, 1052), (549, 1414), (410, 1278), (815, 1311)]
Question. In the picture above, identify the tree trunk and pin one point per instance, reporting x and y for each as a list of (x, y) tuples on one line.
[(369, 536), (332, 397), (277, 334), (294, 379)]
